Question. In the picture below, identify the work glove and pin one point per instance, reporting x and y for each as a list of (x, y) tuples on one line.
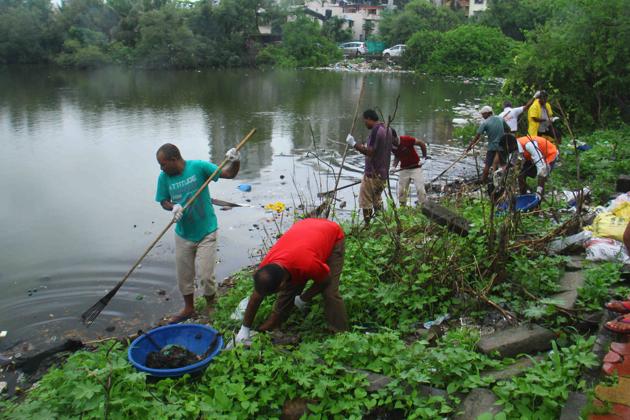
[(233, 155), (178, 212), (242, 336), (537, 94), (497, 177), (544, 172), (300, 304), (351, 141), (539, 192)]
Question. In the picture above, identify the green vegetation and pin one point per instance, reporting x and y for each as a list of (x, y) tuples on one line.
[(303, 45), (168, 33), (403, 271), (599, 167), (471, 50)]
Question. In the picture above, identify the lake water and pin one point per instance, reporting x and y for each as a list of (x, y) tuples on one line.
[(79, 174)]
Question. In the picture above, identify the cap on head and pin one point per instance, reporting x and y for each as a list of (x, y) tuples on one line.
[(543, 94), (486, 110)]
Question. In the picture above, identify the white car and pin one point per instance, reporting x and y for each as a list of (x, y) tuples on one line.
[(395, 51)]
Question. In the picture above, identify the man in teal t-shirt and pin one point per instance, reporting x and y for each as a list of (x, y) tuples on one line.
[(196, 230), (495, 128)]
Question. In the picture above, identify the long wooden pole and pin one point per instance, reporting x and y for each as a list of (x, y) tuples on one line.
[(347, 148)]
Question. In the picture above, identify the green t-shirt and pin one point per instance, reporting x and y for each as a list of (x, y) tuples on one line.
[(199, 219), (493, 127)]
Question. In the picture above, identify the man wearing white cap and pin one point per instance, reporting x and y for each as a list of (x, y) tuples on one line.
[(495, 128)]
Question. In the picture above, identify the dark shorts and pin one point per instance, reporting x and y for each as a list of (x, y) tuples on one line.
[(490, 157)]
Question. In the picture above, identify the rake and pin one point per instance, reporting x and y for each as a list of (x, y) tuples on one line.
[(91, 314)]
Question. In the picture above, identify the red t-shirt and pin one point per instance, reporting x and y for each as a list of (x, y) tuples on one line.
[(304, 249), (406, 153)]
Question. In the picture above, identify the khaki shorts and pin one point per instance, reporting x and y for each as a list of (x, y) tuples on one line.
[(196, 259), (370, 193)]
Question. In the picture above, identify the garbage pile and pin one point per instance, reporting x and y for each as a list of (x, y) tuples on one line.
[(376, 66), (603, 239), (172, 356)]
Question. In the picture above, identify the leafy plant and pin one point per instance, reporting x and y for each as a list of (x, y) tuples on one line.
[(598, 281)]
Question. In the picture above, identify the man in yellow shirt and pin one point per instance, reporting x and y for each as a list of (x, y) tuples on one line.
[(539, 116)]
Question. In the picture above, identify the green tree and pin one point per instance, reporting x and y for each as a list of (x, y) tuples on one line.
[(469, 50), (166, 40), (516, 17), (27, 31), (582, 56), (333, 29), (397, 27), (368, 28)]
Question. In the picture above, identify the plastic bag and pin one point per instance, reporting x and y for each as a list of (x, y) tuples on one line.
[(239, 312), (607, 225), (622, 210), (606, 249), (561, 244), (571, 196), (621, 198)]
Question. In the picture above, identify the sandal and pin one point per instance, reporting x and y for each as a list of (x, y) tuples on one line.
[(621, 325), (619, 306), (176, 319)]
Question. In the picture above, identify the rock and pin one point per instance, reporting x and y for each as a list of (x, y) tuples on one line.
[(623, 183), (476, 403), (445, 217), (573, 407), (523, 339), (569, 284), (110, 328), (377, 381), (161, 292), (513, 370)]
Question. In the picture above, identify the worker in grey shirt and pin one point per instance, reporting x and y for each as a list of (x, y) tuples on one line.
[(495, 128)]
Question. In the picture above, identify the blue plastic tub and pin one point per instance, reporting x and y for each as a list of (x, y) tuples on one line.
[(194, 337), (524, 202)]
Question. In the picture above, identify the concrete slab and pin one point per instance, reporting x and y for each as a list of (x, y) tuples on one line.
[(516, 369), (476, 403), (523, 339), (569, 285), (573, 407), (575, 263), (445, 217)]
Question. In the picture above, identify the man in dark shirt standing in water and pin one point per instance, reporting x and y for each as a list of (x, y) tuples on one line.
[(377, 150)]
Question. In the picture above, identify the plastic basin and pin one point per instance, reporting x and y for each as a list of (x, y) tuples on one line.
[(524, 202), (194, 337)]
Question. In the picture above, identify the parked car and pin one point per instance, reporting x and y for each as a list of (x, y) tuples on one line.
[(395, 51), (353, 49)]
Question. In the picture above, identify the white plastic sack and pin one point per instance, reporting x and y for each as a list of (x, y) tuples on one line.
[(239, 312), (606, 249), (571, 196), (623, 198), (561, 244)]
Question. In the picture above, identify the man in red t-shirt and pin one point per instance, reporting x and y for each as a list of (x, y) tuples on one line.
[(310, 249), (410, 168)]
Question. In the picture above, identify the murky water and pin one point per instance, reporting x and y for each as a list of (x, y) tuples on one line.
[(78, 175)]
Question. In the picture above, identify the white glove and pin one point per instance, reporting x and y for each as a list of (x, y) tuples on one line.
[(497, 177), (539, 192), (543, 172), (178, 212), (300, 304), (233, 155), (537, 94), (243, 334), (351, 141)]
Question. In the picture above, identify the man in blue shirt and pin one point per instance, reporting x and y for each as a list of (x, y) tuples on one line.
[(196, 229)]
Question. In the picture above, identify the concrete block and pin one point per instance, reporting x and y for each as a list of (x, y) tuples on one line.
[(523, 339), (445, 217), (569, 285), (516, 369), (575, 263), (476, 403), (573, 407)]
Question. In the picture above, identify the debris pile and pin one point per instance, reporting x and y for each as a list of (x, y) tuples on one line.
[(172, 356)]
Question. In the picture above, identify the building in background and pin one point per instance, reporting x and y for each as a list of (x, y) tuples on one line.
[(357, 15), (476, 6)]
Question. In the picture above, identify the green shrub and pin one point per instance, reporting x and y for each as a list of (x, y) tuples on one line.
[(470, 50)]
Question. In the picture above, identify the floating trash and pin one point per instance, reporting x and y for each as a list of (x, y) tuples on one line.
[(278, 207), (245, 187)]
